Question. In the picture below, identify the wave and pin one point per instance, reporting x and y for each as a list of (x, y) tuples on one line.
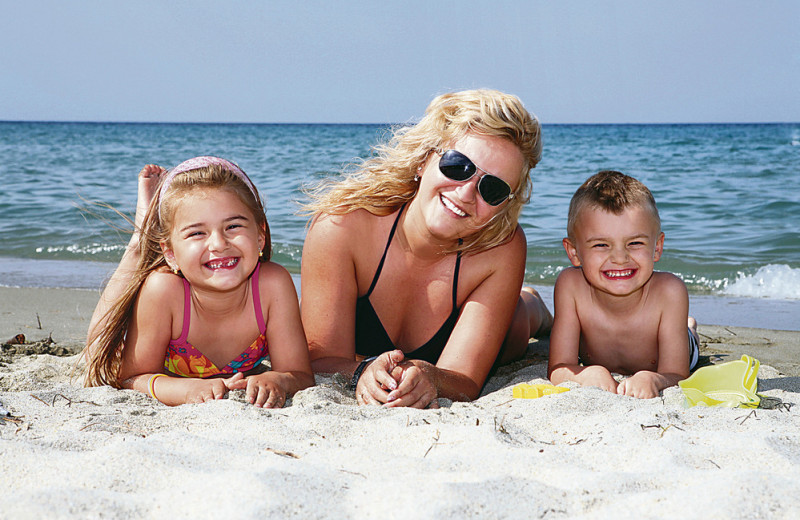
[(770, 281)]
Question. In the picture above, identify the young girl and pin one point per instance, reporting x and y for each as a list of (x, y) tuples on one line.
[(205, 305)]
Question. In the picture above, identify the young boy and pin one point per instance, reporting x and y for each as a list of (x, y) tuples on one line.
[(613, 313)]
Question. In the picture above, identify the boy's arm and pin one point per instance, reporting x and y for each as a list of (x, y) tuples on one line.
[(563, 364), (673, 342)]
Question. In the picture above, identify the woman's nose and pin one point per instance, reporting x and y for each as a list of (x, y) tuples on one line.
[(468, 190)]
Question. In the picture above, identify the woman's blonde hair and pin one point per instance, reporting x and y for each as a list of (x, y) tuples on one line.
[(386, 181), (104, 347)]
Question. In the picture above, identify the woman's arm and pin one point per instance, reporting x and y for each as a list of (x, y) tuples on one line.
[(329, 293)]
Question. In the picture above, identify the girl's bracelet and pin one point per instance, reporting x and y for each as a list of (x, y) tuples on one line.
[(151, 383)]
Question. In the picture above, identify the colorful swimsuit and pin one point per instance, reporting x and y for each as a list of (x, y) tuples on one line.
[(182, 359)]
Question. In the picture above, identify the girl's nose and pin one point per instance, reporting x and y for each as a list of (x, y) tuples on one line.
[(217, 241)]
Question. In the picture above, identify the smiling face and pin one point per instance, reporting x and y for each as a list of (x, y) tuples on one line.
[(455, 209), (615, 252), (214, 239)]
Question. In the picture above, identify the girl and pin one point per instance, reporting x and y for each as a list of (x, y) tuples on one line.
[(205, 305)]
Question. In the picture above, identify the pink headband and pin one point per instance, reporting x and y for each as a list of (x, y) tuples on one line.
[(202, 162)]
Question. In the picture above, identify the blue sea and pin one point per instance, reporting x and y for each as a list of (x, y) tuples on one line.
[(728, 194)]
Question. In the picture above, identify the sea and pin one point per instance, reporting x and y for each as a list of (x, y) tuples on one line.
[(728, 195)]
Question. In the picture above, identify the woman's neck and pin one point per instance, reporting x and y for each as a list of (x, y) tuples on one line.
[(416, 240)]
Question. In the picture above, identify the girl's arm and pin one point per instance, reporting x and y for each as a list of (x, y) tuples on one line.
[(160, 303), (288, 350)]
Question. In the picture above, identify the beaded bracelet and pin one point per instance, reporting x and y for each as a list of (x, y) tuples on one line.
[(150, 385)]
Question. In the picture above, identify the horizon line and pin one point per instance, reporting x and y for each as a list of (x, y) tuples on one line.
[(71, 121)]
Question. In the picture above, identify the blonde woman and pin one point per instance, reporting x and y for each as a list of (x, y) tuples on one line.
[(413, 265)]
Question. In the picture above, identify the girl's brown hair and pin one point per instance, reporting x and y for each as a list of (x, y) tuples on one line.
[(104, 347)]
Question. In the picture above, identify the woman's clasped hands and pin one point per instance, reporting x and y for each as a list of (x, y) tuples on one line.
[(391, 380)]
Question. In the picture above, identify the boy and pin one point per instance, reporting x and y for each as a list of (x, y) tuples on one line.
[(613, 313)]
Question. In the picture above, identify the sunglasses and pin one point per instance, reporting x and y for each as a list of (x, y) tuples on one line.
[(458, 167)]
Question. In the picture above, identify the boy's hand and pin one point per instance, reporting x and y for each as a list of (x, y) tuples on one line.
[(642, 385), (599, 376)]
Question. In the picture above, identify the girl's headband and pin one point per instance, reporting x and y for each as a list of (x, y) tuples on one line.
[(202, 162)]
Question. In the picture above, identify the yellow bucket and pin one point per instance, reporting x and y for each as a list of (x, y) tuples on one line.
[(526, 391), (732, 384)]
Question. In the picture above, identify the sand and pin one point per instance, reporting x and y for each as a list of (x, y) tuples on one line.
[(73, 452)]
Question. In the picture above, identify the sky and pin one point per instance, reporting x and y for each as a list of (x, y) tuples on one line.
[(579, 61)]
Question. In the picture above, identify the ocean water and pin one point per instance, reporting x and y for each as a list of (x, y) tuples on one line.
[(729, 195)]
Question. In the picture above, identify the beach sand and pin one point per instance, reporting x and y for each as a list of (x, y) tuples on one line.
[(73, 452)]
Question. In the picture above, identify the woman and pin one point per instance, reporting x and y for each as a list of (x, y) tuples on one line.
[(416, 260)]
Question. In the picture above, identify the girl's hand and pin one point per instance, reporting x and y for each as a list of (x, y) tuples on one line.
[(261, 390), (204, 390)]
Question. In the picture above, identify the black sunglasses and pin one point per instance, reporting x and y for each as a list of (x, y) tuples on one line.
[(458, 167)]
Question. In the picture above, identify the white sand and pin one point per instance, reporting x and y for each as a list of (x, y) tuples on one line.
[(77, 452)]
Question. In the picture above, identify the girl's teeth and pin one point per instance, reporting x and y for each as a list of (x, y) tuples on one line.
[(217, 264)]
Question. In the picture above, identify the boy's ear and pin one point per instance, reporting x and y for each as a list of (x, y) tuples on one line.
[(659, 248), (572, 252)]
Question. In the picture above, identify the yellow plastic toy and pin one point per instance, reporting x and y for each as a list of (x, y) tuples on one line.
[(726, 385), (526, 391)]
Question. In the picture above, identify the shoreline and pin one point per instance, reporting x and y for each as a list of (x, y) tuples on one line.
[(39, 313)]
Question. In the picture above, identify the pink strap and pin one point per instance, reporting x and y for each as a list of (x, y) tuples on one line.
[(262, 326), (187, 313)]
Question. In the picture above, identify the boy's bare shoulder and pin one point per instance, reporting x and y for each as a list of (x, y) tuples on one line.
[(667, 284), (571, 278)]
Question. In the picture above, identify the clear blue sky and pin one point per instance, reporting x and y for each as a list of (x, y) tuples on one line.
[(581, 61)]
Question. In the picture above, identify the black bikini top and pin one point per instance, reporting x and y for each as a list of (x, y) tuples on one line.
[(371, 336)]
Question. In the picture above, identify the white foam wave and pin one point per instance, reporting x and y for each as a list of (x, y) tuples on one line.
[(770, 281)]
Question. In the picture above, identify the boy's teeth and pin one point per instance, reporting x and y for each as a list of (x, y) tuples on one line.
[(452, 207), (618, 274)]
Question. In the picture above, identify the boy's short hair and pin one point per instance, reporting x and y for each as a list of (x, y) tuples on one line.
[(610, 191)]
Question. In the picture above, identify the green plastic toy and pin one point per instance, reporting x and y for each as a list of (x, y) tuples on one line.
[(732, 384)]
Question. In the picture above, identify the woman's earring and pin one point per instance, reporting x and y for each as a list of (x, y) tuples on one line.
[(416, 177)]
